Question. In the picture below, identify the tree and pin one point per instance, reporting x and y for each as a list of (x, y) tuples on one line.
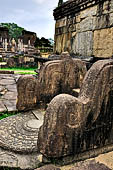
[(60, 2), (14, 30), (43, 42)]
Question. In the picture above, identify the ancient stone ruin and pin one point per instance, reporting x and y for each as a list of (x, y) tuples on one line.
[(67, 112), (70, 126), (84, 123), (55, 77), (84, 27), (25, 43)]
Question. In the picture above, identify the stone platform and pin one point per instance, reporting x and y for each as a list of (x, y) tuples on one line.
[(8, 92), (18, 144), (18, 140), (19, 133)]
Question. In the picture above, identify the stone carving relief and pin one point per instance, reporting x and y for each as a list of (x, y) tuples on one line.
[(73, 125), (55, 77)]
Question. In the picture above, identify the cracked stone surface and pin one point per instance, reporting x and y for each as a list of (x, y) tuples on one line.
[(8, 92), (19, 133), (17, 160), (18, 140)]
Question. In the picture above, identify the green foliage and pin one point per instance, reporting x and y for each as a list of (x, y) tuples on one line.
[(51, 41), (25, 72), (60, 2), (1, 59), (14, 30), (43, 42)]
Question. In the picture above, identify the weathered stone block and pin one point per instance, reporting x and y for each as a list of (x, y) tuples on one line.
[(61, 23), (26, 92), (92, 17), (55, 77), (88, 12), (111, 6), (86, 24), (111, 19), (103, 43), (83, 43), (102, 21), (78, 18), (73, 125), (63, 42)]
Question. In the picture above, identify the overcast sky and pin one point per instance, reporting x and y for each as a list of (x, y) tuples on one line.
[(33, 15)]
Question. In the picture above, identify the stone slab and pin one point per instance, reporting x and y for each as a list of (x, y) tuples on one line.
[(10, 96), (10, 104), (86, 47), (16, 160), (8, 92), (7, 81), (11, 88)]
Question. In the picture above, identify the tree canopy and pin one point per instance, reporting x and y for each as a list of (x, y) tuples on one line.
[(14, 30), (43, 42)]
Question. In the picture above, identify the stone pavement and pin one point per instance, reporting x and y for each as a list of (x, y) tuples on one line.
[(8, 92), (18, 140), (83, 165), (19, 133)]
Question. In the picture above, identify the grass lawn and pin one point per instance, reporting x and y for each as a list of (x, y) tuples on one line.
[(4, 115), (21, 70)]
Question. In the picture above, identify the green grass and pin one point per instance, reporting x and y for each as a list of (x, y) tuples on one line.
[(4, 115), (20, 70)]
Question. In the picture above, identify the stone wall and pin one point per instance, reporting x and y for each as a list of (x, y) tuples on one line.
[(85, 29), (21, 61)]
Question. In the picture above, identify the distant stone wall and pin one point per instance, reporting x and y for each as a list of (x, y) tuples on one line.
[(21, 61), (85, 28)]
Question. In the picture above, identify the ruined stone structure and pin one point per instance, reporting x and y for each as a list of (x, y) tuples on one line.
[(80, 124), (29, 37), (70, 126), (25, 43), (85, 27), (21, 61), (4, 38), (55, 77)]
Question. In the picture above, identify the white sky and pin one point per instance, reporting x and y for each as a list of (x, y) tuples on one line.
[(33, 15)]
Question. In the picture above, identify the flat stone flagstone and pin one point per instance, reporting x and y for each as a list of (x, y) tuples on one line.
[(16, 160), (8, 92)]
